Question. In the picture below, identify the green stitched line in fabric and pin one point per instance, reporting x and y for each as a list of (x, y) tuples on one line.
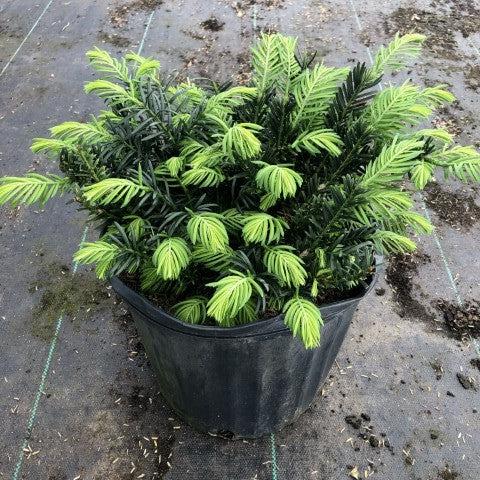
[(58, 326), (273, 451), (43, 380)]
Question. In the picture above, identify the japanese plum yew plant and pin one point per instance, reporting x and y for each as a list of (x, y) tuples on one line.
[(237, 202)]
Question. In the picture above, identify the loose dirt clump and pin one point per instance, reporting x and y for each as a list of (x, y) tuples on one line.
[(456, 209), (354, 421), (400, 273), (461, 322), (440, 25), (213, 24), (366, 432), (119, 15)]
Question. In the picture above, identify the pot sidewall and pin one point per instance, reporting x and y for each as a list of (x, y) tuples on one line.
[(241, 382)]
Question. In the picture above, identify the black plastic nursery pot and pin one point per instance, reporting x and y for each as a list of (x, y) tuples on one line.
[(244, 381)]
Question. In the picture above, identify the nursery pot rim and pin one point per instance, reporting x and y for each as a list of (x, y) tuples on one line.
[(157, 315)]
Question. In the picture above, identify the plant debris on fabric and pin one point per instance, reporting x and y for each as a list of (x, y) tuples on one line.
[(455, 209), (440, 25), (119, 14), (461, 322)]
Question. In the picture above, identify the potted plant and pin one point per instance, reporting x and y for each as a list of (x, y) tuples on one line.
[(242, 224)]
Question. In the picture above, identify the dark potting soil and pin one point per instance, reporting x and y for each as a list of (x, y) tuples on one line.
[(461, 322), (400, 272), (166, 301), (161, 300), (332, 296), (456, 209)]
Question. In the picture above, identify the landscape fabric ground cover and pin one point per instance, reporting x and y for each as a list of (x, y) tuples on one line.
[(77, 397)]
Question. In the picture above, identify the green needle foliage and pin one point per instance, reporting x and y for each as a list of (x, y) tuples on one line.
[(268, 197), (171, 257), (193, 310), (32, 188)]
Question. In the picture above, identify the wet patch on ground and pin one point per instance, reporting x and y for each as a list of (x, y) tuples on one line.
[(78, 297), (400, 274), (119, 14), (455, 209), (461, 321)]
